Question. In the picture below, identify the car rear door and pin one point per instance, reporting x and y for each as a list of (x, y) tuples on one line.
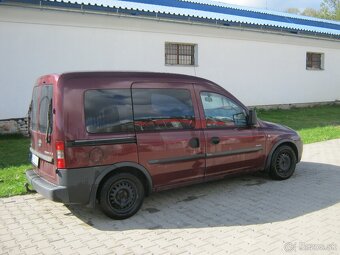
[(41, 128), (169, 136)]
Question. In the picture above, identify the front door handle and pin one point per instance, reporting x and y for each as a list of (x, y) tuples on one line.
[(194, 142), (215, 140)]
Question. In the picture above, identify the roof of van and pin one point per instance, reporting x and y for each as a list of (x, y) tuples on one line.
[(134, 75), (210, 12), (126, 78)]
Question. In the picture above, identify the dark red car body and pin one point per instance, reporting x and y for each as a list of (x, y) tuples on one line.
[(163, 159)]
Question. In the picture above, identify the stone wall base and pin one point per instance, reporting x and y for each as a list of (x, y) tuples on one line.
[(14, 126)]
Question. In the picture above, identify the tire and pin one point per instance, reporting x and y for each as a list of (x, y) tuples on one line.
[(283, 163), (121, 196)]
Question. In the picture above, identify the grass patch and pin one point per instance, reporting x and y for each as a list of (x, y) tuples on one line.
[(13, 163), (314, 124)]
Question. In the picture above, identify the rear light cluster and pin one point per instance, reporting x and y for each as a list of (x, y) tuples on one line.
[(60, 148)]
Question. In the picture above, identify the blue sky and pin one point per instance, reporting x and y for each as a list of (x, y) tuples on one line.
[(279, 5)]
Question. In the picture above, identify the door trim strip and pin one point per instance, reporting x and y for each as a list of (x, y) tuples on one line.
[(201, 156), (176, 159), (233, 152), (96, 142)]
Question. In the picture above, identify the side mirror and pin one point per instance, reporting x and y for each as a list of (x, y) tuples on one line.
[(252, 118)]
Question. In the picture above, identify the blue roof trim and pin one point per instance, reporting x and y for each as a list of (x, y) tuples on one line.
[(203, 11), (258, 10), (236, 12)]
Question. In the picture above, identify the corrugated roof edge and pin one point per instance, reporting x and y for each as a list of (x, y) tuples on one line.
[(132, 6), (258, 10), (199, 14)]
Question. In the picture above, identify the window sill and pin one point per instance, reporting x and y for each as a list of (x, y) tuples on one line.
[(314, 69), (182, 65)]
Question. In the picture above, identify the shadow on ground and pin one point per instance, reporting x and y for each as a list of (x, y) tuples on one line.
[(243, 200)]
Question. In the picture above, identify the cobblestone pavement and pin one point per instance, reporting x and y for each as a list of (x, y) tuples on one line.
[(246, 214)]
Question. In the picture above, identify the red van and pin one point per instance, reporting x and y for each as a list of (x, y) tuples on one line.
[(115, 137)]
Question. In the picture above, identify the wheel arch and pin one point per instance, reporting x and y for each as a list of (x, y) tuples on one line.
[(287, 142), (131, 167)]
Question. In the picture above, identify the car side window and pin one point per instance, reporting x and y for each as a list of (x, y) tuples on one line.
[(162, 109), (221, 111), (108, 111)]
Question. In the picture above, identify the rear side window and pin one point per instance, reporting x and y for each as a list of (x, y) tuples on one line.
[(45, 108), (108, 111), (162, 109)]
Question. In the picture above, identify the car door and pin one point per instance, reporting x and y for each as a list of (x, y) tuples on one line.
[(169, 136), (231, 145), (42, 116)]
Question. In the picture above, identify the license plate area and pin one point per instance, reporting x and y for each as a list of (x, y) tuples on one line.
[(35, 160)]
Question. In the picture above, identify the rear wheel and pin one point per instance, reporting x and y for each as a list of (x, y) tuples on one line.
[(121, 196), (283, 163)]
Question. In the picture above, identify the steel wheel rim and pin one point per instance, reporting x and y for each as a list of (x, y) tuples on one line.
[(283, 163), (122, 195)]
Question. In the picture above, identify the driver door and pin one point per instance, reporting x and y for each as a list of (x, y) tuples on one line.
[(231, 145)]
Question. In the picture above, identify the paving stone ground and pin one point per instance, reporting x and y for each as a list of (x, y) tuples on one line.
[(247, 214)]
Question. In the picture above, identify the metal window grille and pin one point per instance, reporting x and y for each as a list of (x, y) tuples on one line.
[(314, 61), (179, 54)]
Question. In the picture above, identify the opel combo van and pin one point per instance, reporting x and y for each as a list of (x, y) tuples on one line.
[(112, 138)]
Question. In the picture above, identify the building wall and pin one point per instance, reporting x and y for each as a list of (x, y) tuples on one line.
[(258, 68)]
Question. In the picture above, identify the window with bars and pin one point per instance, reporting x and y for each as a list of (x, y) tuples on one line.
[(180, 54), (314, 61)]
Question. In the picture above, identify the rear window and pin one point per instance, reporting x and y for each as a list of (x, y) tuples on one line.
[(41, 108), (34, 109), (108, 111), (45, 108)]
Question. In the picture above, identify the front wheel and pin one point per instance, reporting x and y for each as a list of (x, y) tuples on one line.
[(121, 196), (283, 163)]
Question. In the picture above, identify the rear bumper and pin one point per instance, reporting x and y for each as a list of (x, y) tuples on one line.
[(74, 185), (47, 189)]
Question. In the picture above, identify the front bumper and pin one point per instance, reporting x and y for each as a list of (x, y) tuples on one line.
[(47, 189)]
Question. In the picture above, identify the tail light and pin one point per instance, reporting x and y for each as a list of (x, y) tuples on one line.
[(60, 148)]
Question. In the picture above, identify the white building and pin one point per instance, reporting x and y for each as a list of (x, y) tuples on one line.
[(262, 57)]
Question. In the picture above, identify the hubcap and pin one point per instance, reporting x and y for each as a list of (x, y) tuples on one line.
[(122, 195), (283, 163)]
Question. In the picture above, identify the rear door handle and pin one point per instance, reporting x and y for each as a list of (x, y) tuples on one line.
[(194, 142), (215, 140)]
